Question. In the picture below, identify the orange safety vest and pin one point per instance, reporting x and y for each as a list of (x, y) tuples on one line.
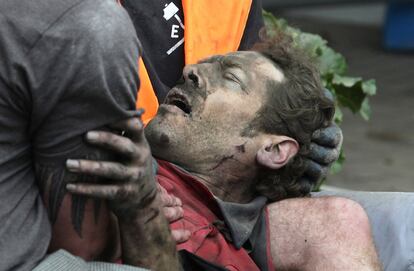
[(211, 27)]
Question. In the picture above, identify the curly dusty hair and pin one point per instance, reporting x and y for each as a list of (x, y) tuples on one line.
[(296, 107)]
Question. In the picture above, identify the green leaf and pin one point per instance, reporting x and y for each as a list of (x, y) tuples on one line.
[(328, 60), (365, 110), (345, 80), (331, 61), (313, 44), (369, 87), (349, 92), (352, 92)]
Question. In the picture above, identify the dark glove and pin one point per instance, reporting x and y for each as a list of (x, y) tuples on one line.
[(324, 151)]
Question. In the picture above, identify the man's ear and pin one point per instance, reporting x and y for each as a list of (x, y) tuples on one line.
[(276, 151)]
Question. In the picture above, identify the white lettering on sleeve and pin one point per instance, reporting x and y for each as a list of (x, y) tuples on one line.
[(174, 31)]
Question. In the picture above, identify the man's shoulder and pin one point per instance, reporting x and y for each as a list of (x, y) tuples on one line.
[(33, 20), (29, 20), (103, 19)]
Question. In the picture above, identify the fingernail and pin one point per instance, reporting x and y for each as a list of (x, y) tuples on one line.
[(92, 136), (72, 164)]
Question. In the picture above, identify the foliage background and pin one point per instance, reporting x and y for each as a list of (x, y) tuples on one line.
[(348, 92)]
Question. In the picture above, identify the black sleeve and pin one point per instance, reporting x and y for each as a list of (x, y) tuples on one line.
[(253, 26)]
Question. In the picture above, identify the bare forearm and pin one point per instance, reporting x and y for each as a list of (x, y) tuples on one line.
[(146, 240)]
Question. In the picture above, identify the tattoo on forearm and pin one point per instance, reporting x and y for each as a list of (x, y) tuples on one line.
[(77, 212), (52, 180)]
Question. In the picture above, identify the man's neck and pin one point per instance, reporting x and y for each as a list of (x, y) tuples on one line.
[(231, 180)]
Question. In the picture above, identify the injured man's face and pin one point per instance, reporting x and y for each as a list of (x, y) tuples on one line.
[(203, 117), (201, 124), (243, 122)]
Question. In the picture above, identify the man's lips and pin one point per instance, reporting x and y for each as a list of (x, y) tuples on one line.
[(177, 98)]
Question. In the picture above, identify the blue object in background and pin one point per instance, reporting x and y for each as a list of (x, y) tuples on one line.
[(399, 26)]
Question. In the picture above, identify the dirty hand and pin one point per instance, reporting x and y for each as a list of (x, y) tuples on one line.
[(324, 151), (128, 189), (130, 185)]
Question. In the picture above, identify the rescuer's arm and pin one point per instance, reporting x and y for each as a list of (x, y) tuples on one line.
[(82, 73), (132, 193), (67, 67)]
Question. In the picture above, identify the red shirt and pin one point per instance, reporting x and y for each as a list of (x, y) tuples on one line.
[(201, 214)]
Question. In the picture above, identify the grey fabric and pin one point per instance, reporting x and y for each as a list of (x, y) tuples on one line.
[(260, 243), (247, 225), (392, 219), (67, 66), (241, 218), (64, 261)]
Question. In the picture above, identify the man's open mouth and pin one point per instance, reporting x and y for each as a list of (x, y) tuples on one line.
[(179, 100)]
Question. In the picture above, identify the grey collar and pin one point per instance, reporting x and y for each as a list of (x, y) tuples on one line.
[(241, 218)]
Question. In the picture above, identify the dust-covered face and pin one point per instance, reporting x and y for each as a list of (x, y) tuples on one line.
[(202, 118)]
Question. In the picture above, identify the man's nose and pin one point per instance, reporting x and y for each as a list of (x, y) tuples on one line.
[(191, 75)]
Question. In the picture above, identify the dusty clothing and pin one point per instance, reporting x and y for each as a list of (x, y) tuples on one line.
[(227, 234), (63, 72)]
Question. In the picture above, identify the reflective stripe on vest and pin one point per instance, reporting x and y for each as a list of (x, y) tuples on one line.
[(211, 27)]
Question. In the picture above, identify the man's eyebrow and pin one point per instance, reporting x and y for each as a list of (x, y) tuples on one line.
[(231, 63)]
